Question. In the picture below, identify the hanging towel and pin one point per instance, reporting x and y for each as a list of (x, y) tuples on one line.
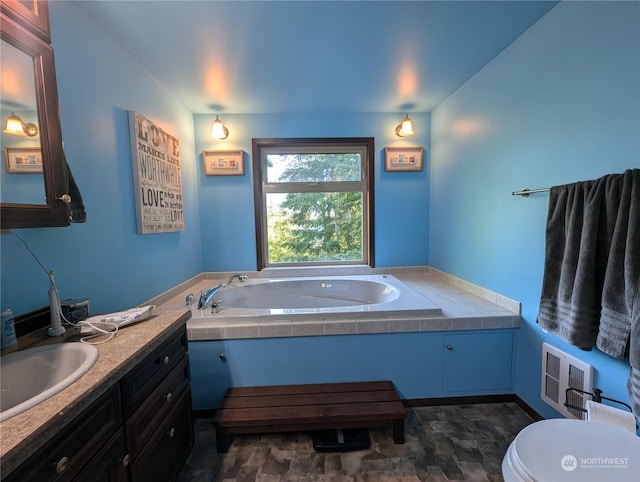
[(622, 275), (591, 283), (633, 385), (619, 333), (571, 286)]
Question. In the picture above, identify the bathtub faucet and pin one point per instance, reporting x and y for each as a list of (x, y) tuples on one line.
[(207, 296), (241, 277)]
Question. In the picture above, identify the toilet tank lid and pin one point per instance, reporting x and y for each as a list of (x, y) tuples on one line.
[(575, 450)]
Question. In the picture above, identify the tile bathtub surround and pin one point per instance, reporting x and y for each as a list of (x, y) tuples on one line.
[(443, 443), (403, 273), (464, 307)]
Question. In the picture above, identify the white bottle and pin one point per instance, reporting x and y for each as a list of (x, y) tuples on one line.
[(8, 330)]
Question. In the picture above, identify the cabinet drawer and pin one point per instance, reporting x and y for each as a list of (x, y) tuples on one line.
[(110, 464), (74, 447), (138, 384), (163, 457), (141, 425)]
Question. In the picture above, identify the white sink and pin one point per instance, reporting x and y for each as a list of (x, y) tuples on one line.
[(31, 376)]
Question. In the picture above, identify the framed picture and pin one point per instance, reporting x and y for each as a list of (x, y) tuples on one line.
[(157, 177), (223, 163), (23, 160), (403, 158)]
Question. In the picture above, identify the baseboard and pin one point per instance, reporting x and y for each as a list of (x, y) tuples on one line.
[(474, 399), (527, 408)]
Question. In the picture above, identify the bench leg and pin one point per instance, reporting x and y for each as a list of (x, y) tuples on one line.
[(398, 431), (223, 441)]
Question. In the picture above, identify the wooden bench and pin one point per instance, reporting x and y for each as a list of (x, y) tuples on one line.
[(325, 406)]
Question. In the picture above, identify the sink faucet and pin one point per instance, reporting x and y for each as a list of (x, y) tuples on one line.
[(207, 296), (241, 277)]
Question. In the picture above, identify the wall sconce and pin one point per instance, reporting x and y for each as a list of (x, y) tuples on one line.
[(405, 128), (15, 127), (219, 130)]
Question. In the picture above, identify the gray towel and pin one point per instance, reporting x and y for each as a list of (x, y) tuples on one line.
[(622, 275), (619, 333), (571, 286), (633, 385), (591, 283)]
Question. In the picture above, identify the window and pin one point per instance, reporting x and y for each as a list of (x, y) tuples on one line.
[(314, 201)]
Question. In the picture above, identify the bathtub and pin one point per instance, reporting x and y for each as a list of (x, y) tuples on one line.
[(327, 298)]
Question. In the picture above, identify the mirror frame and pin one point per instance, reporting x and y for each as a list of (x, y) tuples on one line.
[(55, 211), (32, 14)]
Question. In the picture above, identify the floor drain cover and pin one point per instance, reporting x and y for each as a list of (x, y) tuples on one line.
[(341, 440)]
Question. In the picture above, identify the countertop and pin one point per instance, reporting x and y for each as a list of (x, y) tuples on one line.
[(24, 434)]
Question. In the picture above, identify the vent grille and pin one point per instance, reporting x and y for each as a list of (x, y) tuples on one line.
[(552, 389), (562, 371)]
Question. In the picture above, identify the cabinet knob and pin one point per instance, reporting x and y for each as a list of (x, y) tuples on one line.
[(165, 360), (125, 460), (222, 357), (62, 465), (171, 433), (449, 347), (168, 396)]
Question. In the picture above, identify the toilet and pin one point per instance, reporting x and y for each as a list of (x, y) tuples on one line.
[(558, 450)]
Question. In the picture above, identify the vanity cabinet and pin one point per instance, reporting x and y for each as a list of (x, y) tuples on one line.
[(108, 465), (74, 448), (165, 453), (140, 430), (156, 401)]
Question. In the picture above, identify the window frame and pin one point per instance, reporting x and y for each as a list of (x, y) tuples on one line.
[(262, 146)]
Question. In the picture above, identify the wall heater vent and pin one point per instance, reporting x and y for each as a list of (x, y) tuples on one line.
[(561, 371)]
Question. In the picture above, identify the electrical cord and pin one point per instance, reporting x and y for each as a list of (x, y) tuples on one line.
[(94, 325), (101, 332)]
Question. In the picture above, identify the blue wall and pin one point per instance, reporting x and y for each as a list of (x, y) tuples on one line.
[(561, 104), (226, 203), (104, 259)]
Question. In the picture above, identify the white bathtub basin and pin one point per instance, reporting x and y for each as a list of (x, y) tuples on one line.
[(31, 376), (309, 293), (314, 298)]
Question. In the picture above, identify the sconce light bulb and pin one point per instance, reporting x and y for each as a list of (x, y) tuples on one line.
[(219, 130), (405, 128), (14, 126)]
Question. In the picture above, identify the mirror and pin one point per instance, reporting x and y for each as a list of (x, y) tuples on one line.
[(33, 171), (21, 179)]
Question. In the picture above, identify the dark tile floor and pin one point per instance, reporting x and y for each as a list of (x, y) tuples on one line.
[(443, 443)]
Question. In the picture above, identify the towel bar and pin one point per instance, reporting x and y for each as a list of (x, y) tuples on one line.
[(526, 191), (596, 397)]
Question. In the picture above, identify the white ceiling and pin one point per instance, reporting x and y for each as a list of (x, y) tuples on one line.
[(311, 56)]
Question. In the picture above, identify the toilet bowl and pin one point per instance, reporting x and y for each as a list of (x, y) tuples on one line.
[(559, 450)]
